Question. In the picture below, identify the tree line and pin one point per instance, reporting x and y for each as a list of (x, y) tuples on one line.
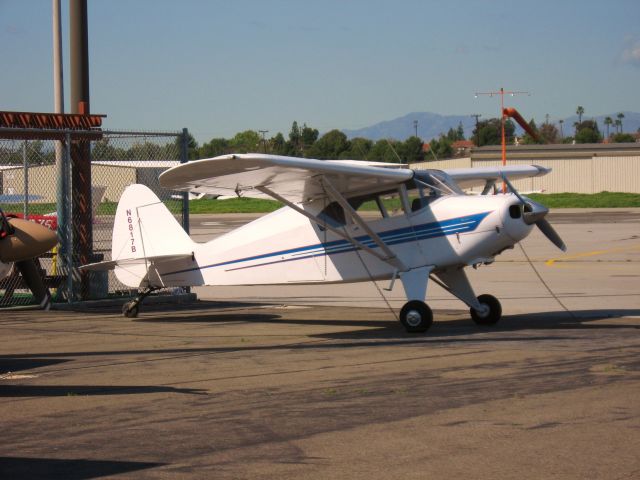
[(305, 141)]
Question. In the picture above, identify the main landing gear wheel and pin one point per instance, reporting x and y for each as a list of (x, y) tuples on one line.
[(130, 309), (416, 316), (492, 314)]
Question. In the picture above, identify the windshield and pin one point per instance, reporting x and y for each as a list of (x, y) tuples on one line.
[(437, 183)]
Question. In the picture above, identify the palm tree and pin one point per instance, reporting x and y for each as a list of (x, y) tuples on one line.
[(580, 112), (608, 121), (618, 124), (620, 117)]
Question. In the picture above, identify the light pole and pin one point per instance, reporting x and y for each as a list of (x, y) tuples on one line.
[(415, 127), (264, 141), (477, 116)]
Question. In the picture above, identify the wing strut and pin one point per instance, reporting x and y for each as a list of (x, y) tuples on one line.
[(338, 197), (393, 261)]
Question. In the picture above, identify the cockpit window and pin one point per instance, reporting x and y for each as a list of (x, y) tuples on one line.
[(374, 206), (417, 193), (438, 182)]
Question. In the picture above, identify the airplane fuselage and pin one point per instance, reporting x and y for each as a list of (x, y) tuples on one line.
[(286, 247)]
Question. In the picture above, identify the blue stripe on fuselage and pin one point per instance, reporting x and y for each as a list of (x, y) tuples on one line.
[(392, 237)]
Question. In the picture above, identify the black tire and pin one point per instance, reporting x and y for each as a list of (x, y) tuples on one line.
[(416, 316), (130, 310), (495, 311)]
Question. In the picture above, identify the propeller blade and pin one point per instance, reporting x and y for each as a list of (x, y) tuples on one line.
[(548, 231), (30, 271), (533, 211)]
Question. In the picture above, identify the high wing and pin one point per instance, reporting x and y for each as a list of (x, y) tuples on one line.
[(471, 177), (296, 179)]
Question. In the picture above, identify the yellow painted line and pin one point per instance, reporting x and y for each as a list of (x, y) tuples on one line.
[(552, 261)]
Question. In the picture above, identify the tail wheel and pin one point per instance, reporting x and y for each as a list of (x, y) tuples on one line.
[(130, 310), (416, 316), (492, 314)]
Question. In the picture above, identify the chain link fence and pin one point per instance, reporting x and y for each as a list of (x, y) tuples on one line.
[(36, 183)]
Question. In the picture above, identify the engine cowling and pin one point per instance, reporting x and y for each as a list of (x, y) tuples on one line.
[(26, 240)]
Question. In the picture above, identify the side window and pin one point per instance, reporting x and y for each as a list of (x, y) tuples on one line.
[(421, 196), (369, 207), (391, 203), (333, 215)]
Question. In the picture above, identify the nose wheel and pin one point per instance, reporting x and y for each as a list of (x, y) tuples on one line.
[(416, 316), (491, 312)]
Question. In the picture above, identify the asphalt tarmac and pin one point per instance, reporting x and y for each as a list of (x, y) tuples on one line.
[(328, 388)]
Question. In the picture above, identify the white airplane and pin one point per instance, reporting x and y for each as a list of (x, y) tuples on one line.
[(323, 235)]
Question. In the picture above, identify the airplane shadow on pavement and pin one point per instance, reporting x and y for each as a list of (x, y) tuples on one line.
[(36, 468)]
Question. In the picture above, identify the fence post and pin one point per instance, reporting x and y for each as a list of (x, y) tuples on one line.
[(25, 165), (64, 218), (184, 158)]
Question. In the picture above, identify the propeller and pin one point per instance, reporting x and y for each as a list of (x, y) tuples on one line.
[(22, 241), (534, 213)]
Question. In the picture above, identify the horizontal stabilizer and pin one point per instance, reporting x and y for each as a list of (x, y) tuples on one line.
[(128, 262)]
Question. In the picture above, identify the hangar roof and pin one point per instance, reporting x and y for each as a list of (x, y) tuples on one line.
[(558, 151)]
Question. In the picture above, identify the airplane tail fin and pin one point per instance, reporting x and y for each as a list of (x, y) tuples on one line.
[(145, 233)]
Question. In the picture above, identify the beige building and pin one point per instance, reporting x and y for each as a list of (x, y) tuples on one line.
[(112, 177), (588, 168), (583, 168)]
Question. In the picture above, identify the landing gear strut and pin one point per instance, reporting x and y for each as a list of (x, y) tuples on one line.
[(416, 316), (492, 311), (131, 309)]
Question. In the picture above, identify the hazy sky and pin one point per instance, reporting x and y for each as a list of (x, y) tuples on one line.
[(219, 67)]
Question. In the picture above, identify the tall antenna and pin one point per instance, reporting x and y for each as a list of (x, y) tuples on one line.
[(502, 93)]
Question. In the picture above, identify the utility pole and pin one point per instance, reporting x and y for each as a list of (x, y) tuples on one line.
[(415, 127), (477, 116), (264, 141), (80, 151)]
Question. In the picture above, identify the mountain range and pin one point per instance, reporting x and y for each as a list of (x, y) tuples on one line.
[(431, 125)]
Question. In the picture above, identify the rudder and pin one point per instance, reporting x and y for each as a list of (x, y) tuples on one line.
[(144, 227)]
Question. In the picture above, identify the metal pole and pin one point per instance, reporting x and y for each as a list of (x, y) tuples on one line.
[(264, 140), (58, 84), (26, 179), (81, 151), (79, 55), (477, 116), (64, 217), (58, 91), (184, 158)]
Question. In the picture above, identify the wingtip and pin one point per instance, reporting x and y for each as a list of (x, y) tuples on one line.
[(542, 170)]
